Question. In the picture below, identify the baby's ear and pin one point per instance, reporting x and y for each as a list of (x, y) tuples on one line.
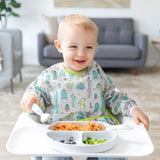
[(58, 45)]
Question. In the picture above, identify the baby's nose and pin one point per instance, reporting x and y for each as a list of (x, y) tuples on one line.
[(81, 53)]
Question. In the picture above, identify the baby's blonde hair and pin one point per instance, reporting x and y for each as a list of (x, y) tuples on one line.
[(78, 20)]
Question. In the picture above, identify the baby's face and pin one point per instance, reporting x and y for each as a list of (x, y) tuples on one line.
[(78, 48)]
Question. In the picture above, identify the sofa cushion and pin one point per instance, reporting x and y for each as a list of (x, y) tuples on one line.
[(50, 25), (50, 51), (117, 52), (114, 30)]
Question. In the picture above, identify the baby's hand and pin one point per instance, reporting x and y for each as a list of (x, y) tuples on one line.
[(27, 101), (140, 117)]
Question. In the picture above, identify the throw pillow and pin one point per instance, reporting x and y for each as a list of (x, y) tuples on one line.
[(50, 25)]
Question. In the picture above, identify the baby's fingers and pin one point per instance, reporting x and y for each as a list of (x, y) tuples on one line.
[(144, 121), (27, 102), (140, 117)]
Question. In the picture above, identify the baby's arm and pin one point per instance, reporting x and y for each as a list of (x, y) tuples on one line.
[(140, 117), (118, 102), (36, 92), (27, 102)]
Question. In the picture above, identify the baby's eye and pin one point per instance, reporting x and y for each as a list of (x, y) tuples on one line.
[(89, 47), (73, 46)]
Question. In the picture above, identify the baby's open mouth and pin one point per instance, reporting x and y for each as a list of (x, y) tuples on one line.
[(79, 61)]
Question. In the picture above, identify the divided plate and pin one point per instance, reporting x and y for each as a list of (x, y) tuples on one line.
[(54, 138)]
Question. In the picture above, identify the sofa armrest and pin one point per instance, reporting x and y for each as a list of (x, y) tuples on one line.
[(17, 37), (7, 49), (141, 42), (41, 42)]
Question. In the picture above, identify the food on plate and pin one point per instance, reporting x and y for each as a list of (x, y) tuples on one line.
[(91, 141), (69, 140), (90, 126)]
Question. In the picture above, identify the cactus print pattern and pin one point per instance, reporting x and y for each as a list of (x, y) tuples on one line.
[(75, 96)]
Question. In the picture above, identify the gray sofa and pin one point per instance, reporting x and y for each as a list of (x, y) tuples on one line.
[(119, 45), (12, 53)]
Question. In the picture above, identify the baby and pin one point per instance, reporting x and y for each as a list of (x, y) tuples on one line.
[(78, 88)]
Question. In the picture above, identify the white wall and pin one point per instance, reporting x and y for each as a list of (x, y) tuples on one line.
[(146, 14)]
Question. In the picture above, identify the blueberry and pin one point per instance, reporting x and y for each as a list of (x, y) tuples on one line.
[(62, 141), (68, 141)]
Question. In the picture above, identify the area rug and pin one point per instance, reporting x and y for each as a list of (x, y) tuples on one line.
[(144, 88)]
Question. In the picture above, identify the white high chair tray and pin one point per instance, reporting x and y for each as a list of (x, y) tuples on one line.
[(29, 138)]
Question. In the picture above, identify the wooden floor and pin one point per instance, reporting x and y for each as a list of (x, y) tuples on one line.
[(5, 131)]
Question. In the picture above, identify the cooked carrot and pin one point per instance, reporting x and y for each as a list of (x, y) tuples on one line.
[(90, 126)]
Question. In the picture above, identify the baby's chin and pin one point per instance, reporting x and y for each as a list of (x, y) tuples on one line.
[(75, 67), (80, 66), (78, 69)]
